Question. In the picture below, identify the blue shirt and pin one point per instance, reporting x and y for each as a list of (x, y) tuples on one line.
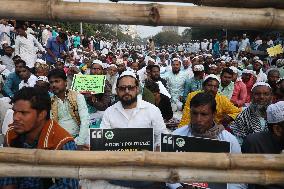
[(11, 85), (56, 48), (191, 85), (37, 183), (233, 46)]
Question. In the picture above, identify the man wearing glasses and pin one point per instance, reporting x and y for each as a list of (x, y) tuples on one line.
[(132, 112)]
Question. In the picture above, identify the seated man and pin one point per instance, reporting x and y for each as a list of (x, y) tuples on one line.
[(12, 82), (161, 101), (68, 107), (131, 112), (31, 128), (268, 142), (253, 118), (27, 78), (202, 112), (226, 111)]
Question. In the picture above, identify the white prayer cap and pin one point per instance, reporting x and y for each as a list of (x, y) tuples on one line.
[(40, 61), (152, 60), (198, 68), (280, 62), (244, 59), (260, 84), (185, 59), (228, 59), (128, 73), (235, 70), (176, 59), (223, 57), (259, 61), (213, 65), (275, 112), (255, 58), (119, 61), (42, 78), (77, 57), (98, 62), (47, 26), (213, 77), (112, 65), (246, 71), (2, 68)]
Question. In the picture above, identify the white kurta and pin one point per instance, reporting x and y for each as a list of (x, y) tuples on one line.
[(27, 48), (30, 83), (5, 33), (145, 115)]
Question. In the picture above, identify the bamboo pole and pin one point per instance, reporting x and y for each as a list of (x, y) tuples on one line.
[(144, 14), (144, 158), (227, 3), (157, 174)]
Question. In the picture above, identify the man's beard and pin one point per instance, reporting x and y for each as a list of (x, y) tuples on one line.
[(258, 109), (175, 71), (127, 102)]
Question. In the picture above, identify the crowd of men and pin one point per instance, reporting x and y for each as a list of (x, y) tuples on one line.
[(233, 95)]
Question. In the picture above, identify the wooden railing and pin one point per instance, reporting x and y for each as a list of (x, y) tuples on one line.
[(144, 166)]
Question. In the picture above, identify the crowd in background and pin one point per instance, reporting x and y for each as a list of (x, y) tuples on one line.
[(239, 74)]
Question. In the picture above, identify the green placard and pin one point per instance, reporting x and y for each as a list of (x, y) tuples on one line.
[(89, 83)]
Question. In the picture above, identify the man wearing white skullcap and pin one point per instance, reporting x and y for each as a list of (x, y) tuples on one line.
[(253, 118), (194, 83), (268, 142), (260, 75), (175, 81)]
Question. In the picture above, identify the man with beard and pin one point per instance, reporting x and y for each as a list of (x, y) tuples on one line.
[(131, 112), (226, 111), (155, 75), (268, 142), (273, 76), (253, 118), (12, 82), (69, 108), (194, 83), (99, 102), (257, 67), (202, 124), (227, 86), (176, 80)]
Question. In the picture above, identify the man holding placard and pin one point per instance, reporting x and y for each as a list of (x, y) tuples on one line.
[(202, 113), (131, 112)]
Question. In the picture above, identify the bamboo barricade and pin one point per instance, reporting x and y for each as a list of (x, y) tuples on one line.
[(144, 14), (227, 3), (144, 166)]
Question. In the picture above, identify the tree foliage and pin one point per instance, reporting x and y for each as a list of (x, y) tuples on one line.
[(108, 31), (167, 38)]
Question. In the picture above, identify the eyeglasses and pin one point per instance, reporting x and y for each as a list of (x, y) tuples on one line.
[(128, 87)]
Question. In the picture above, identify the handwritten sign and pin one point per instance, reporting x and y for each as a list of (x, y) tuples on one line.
[(177, 143), (88, 83), (122, 139), (273, 51)]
